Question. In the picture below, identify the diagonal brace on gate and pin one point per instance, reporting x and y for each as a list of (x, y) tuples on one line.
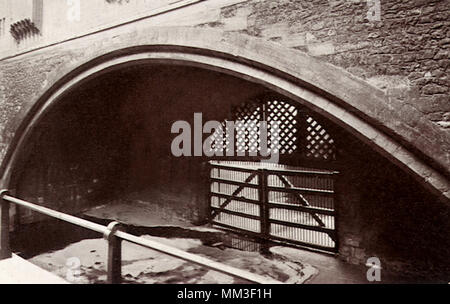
[(302, 199), (233, 195), (304, 202)]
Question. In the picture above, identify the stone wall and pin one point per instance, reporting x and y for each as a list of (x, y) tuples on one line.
[(111, 139), (405, 54), (386, 214)]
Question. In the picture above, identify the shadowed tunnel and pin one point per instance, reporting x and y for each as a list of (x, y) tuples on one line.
[(110, 139)]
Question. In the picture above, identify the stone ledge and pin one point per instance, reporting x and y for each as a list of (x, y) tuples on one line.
[(19, 271)]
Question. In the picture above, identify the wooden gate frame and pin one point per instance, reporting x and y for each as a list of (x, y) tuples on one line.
[(265, 205)]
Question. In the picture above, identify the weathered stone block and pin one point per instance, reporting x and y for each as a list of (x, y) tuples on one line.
[(360, 254), (431, 89), (345, 251), (352, 240)]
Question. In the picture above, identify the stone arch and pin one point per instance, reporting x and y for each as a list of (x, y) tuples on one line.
[(364, 111)]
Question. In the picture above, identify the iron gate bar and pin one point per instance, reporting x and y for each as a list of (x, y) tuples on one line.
[(302, 226), (251, 169), (326, 193), (168, 250), (263, 197), (242, 230), (235, 198), (242, 186), (273, 238), (246, 215), (226, 167), (301, 208), (291, 172), (303, 200), (303, 244), (266, 223)]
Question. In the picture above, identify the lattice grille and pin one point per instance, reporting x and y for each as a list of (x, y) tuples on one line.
[(247, 118), (317, 143), (220, 140), (285, 115), (320, 144)]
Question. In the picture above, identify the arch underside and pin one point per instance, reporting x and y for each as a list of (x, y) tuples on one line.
[(339, 114)]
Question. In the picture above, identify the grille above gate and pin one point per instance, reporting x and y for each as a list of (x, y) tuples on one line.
[(299, 133)]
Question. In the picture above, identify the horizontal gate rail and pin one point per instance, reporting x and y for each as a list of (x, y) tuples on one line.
[(273, 238), (236, 183), (302, 190), (241, 214), (302, 226), (242, 230), (301, 198), (312, 220), (235, 198), (291, 172), (114, 235), (237, 168), (300, 243), (301, 208), (242, 186)]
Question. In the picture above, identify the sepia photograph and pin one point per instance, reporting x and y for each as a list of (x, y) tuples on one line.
[(210, 146)]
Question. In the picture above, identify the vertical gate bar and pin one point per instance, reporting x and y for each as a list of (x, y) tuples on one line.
[(260, 199), (208, 173), (5, 250), (218, 183), (265, 225), (336, 182), (114, 260)]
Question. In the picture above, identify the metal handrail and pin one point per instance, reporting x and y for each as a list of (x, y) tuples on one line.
[(115, 248)]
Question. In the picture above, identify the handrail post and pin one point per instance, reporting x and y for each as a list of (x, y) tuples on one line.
[(5, 250), (114, 267)]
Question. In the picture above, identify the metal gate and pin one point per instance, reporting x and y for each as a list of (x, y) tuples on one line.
[(275, 202)]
